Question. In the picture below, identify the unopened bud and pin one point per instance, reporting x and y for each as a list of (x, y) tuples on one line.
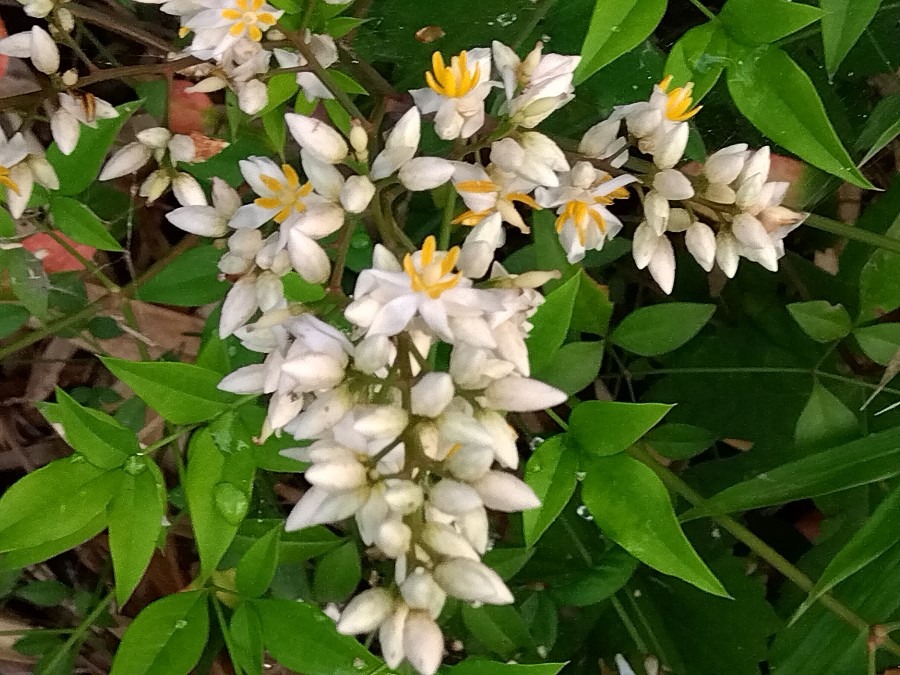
[(70, 77), (359, 140), (66, 20), (526, 70)]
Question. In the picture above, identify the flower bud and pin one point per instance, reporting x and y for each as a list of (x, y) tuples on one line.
[(318, 138), (700, 241), (366, 612), (502, 491), (472, 581)]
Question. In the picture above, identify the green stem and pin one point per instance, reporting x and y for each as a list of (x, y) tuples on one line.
[(79, 632), (758, 546), (340, 260), (706, 11), (447, 219), (854, 233)]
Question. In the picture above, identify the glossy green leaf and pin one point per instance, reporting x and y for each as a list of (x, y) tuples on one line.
[(774, 93), (877, 535), (279, 88), (296, 547), (825, 421), (632, 507), (166, 638), (551, 323), (617, 26), (208, 467), (257, 566), (679, 441), (337, 574), (821, 320), (601, 428), (859, 462), (296, 288), (12, 318), (881, 128), (881, 342), (104, 442), (77, 171), (843, 22), (658, 329), (46, 593), (53, 502), (75, 219), (699, 56), (299, 636), (500, 629), (246, 639), (765, 21), (593, 308), (480, 667), (27, 278), (50, 547), (188, 281), (879, 283), (507, 561), (551, 474), (573, 367), (182, 393), (591, 586), (135, 521)]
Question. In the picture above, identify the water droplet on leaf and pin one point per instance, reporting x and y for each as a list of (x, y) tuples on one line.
[(231, 502), (583, 512)]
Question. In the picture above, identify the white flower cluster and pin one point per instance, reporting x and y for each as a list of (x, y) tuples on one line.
[(22, 164), (415, 454)]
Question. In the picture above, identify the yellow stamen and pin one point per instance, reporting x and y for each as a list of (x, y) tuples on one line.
[(271, 182), (470, 218), (183, 31), (7, 181), (455, 80), (582, 215), (476, 186), (522, 198), (665, 82), (254, 33), (432, 279), (456, 447), (679, 102), (428, 248), (288, 195), (232, 14)]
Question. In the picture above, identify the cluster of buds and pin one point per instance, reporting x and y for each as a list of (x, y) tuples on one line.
[(415, 454)]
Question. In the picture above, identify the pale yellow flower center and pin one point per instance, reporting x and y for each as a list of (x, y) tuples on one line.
[(432, 276), (7, 181), (471, 218), (287, 195), (583, 212), (678, 104), (454, 80), (247, 19)]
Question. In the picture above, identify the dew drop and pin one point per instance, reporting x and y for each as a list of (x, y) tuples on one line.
[(542, 651), (580, 475), (535, 468), (583, 512), (506, 19), (181, 623), (359, 664), (535, 443)]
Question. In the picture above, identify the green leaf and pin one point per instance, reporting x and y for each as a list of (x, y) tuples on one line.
[(573, 367), (588, 587), (247, 639), (337, 574), (551, 474), (507, 561), (699, 56), (188, 281), (859, 462), (49, 548), (601, 428), (499, 628), (821, 320), (338, 116), (76, 220), (476, 666), (300, 637), (182, 393), (592, 309), (881, 128), (77, 171), (12, 318), (276, 129), (135, 521), (346, 83), (843, 22), (44, 593), (296, 547), (679, 441), (658, 329), (880, 343), (617, 26), (7, 224), (877, 535), (825, 421), (764, 21), (54, 502), (774, 93), (166, 638), (104, 442), (207, 468), (280, 88), (630, 504), (296, 288), (339, 27), (257, 566), (28, 280), (551, 323), (879, 283)]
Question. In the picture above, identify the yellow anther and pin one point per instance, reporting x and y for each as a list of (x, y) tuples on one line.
[(7, 181), (432, 277), (288, 195), (476, 186), (454, 80)]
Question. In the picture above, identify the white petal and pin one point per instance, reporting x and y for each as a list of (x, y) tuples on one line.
[(522, 394), (700, 241), (356, 194), (390, 636), (472, 581), (246, 380), (672, 184), (366, 612), (425, 173), (750, 232), (318, 138), (44, 52), (453, 497), (320, 506), (188, 191), (502, 491), (240, 304), (423, 643), (127, 160), (308, 258), (65, 130), (201, 220), (432, 394), (662, 265)]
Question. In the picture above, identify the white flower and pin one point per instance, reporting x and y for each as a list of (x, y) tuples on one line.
[(522, 394), (492, 190), (36, 45), (456, 93), (432, 394), (673, 185), (73, 111), (502, 491), (220, 25), (602, 141), (22, 164), (208, 221), (700, 241), (157, 142), (478, 249), (472, 581), (400, 147), (583, 221), (325, 51), (423, 642), (366, 612), (317, 138), (533, 157)]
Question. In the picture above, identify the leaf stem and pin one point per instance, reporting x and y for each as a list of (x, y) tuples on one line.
[(855, 233), (446, 219), (80, 631), (705, 10), (758, 546)]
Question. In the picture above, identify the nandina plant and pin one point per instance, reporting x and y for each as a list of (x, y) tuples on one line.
[(459, 338)]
